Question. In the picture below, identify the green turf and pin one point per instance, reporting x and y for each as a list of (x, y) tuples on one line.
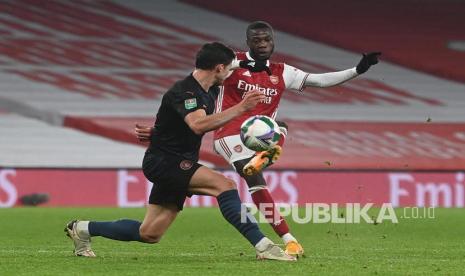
[(200, 242)]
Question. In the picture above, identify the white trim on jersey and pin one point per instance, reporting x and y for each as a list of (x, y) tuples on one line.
[(275, 112), (224, 147), (294, 78), (302, 85)]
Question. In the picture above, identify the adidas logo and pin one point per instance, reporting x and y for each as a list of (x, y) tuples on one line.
[(246, 73)]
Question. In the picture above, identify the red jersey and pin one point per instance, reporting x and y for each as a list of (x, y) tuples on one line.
[(242, 81)]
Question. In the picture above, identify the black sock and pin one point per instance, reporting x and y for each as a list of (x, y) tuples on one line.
[(230, 206)]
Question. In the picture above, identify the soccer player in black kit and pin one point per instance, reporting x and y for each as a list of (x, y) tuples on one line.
[(171, 162)]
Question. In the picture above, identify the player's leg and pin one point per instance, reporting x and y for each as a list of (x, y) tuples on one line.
[(264, 159), (161, 211), (265, 203), (156, 222), (208, 182), (238, 155), (232, 149)]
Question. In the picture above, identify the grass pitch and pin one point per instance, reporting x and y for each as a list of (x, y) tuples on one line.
[(201, 242)]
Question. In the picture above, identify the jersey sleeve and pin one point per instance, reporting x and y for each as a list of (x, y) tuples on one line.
[(186, 102), (294, 78)]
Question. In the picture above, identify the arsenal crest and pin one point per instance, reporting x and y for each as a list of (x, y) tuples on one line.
[(185, 164), (238, 148), (274, 79)]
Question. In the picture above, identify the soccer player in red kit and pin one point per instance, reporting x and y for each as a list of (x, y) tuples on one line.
[(272, 82)]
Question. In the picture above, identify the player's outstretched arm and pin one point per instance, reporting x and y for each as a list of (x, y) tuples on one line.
[(200, 122), (335, 78)]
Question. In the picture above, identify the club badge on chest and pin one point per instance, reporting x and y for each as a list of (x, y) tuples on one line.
[(274, 79)]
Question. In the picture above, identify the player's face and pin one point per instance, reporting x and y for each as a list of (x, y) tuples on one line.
[(222, 73), (261, 43)]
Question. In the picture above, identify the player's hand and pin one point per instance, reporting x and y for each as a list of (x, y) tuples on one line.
[(367, 61), (143, 133), (251, 99), (255, 66)]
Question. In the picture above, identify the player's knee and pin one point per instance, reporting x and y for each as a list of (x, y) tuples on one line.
[(226, 185), (149, 237), (239, 166), (230, 184), (256, 180)]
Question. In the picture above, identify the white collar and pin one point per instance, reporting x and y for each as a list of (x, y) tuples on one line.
[(250, 58)]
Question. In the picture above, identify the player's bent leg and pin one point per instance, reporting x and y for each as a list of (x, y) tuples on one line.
[(208, 182), (265, 203), (263, 199), (157, 220), (82, 231)]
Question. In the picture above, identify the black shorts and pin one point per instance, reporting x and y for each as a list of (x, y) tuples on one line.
[(170, 175)]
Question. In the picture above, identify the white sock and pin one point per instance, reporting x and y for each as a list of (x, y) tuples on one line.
[(82, 228), (262, 245), (288, 238)]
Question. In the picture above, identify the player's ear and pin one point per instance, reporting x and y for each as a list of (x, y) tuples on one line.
[(219, 68)]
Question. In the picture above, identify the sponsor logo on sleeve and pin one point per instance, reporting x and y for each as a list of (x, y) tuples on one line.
[(190, 103)]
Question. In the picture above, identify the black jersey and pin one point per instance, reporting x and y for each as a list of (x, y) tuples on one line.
[(171, 133)]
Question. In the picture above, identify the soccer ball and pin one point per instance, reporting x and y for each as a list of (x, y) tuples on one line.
[(260, 133)]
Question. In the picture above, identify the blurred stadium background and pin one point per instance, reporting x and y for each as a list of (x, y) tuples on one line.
[(75, 76)]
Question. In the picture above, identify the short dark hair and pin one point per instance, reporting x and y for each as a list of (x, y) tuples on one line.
[(258, 25), (212, 54)]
